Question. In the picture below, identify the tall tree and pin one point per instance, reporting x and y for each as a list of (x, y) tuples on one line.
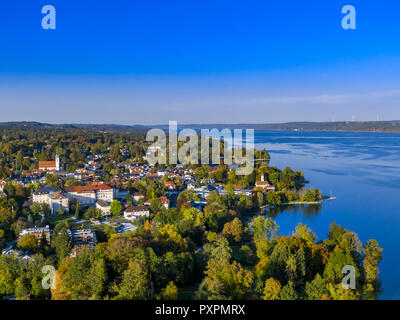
[(115, 208)]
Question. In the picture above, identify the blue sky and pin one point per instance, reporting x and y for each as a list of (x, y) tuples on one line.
[(195, 61)]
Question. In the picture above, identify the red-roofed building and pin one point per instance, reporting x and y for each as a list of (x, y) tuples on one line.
[(50, 165), (88, 195), (164, 201)]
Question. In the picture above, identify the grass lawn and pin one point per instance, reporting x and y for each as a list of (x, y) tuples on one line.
[(53, 220)]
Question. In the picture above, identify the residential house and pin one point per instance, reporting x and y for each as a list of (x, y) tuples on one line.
[(165, 201), (82, 237), (137, 196), (37, 232)]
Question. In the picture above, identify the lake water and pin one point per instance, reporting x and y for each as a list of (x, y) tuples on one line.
[(362, 170)]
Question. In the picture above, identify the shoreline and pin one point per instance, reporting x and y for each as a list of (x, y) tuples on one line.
[(300, 202)]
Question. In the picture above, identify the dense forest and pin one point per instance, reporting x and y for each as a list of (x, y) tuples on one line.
[(185, 254)]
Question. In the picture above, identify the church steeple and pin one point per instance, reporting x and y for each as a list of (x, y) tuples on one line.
[(57, 162)]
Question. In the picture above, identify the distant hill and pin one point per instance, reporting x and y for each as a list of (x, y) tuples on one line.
[(349, 126), (99, 127)]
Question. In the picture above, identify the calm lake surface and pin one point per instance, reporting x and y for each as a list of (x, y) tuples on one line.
[(362, 170)]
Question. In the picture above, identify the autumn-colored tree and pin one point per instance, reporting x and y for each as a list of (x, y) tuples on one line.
[(170, 292), (337, 292), (304, 233), (170, 238), (272, 289), (233, 231), (261, 270), (82, 277), (372, 257)]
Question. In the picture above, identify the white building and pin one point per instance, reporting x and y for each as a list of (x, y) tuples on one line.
[(57, 201), (2, 184), (52, 196), (264, 184), (37, 232), (50, 165), (134, 212), (89, 195), (137, 196), (104, 206)]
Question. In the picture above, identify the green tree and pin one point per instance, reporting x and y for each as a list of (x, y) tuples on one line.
[(273, 198), (316, 288), (372, 257), (115, 208), (263, 227), (305, 233), (10, 270), (337, 260), (288, 292), (21, 289), (260, 198), (225, 281), (62, 244), (28, 242), (135, 282), (45, 209), (129, 199), (217, 247), (82, 277), (60, 211), (155, 205), (35, 209), (77, 210), (93, 213), (30, 220)]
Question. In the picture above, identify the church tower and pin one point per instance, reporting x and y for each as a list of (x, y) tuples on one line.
[(57, 162)]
